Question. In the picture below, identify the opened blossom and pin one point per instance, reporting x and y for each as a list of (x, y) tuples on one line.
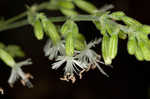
[(17, 73)]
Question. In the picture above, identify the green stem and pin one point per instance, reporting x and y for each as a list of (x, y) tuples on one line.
[(53, 19), (13, 19), (39, 7)]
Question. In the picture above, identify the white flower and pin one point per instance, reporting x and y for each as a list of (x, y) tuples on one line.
[(90, 57), (17, 73), (54, 50), (72, 66)]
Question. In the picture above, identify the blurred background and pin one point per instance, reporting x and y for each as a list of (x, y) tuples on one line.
[(129, 79)]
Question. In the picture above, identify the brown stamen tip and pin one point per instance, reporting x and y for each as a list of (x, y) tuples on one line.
[(93, 67), (28, 75), (64, 78), (80, 74), (2, 91), (72, 78), (89, 67), (23, 83)]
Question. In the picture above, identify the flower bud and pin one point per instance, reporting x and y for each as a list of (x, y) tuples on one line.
[(117, 15), (113, 46), (38, 30), (4, 56), (131, 45), (86, 6)]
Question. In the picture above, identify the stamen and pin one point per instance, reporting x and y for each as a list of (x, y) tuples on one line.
[(2, 91)]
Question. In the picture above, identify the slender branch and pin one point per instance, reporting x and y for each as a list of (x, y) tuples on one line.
[(39, 7), (53, 19), (13, 19)]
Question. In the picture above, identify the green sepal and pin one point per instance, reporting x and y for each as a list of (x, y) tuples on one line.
[(50, 30), (112, 27), (69, 26), (7, 58), (69, 45), (113, 46), (105, 50), (131, 45)]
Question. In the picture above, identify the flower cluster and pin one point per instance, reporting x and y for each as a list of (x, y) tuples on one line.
[(80, 62)]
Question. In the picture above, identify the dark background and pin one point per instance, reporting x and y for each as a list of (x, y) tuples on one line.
[(129, 79)]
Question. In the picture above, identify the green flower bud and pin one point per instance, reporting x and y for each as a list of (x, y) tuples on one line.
[(69, 26), (69, 45), (117, 15), (112, 27), (86, 6), (68, 12), (143, 36), (38, 30), (50, 30), (130, 21), (139, 54), (105, 50), (113, 46), (131, 45), (146, 29), (145, 49), (8, 59), (66, 4)]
